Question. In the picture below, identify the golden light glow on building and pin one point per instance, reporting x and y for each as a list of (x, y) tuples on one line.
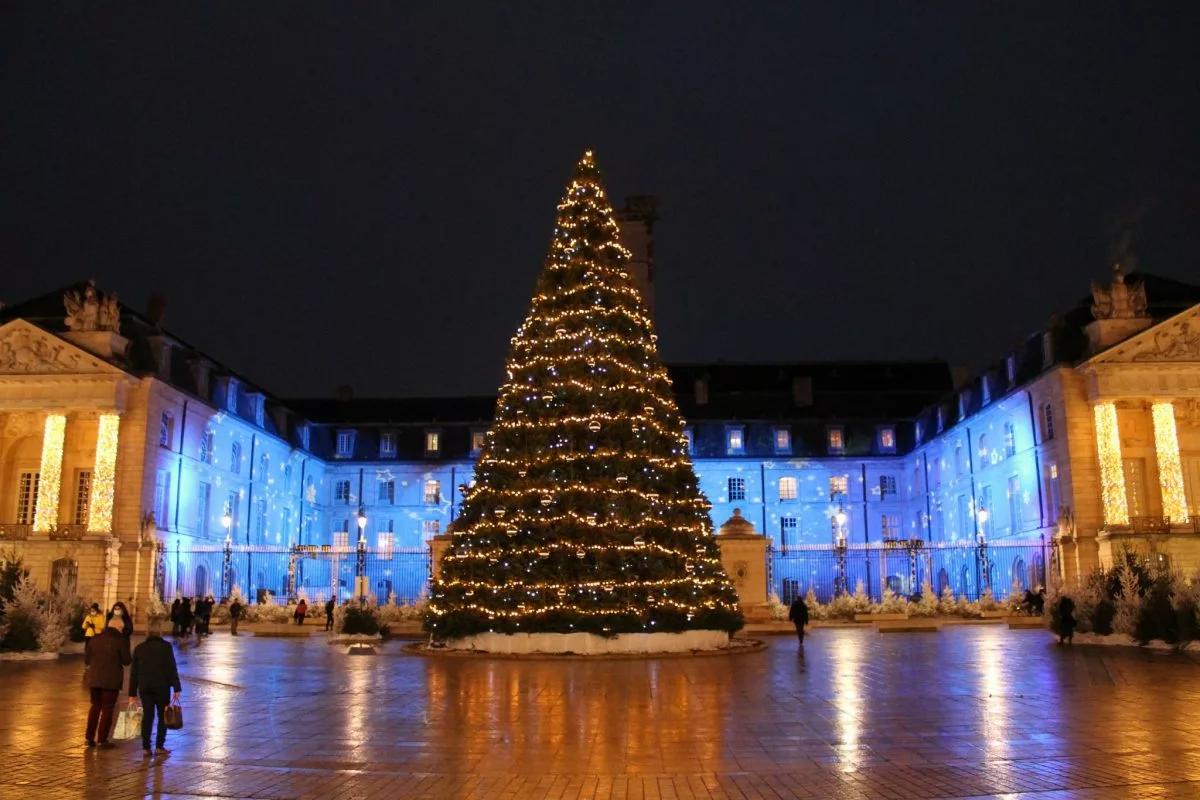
[(45, 515), (1112, 474), (104, 476), (1170, 470)]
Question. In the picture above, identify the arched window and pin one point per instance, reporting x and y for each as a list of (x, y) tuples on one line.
[(235, 458), (264, 468)]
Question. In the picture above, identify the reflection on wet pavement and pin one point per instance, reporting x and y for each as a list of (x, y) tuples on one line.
[(973, 711)]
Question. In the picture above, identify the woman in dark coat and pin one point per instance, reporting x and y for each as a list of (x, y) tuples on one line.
[(1064, 619), (119, 610)]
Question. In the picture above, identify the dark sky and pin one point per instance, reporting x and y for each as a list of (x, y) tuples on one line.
[(363, 193)]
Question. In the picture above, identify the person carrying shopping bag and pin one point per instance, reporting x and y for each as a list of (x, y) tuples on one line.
[(152, 678)]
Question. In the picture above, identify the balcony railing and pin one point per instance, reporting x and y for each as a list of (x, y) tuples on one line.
[(68, 533), (1150, 524), (14, 533)]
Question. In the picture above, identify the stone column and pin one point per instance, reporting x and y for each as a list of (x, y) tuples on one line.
[(45, 515), (744, 558), (1112, 471), (1170, 470)]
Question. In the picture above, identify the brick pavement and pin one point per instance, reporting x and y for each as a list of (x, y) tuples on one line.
[(973, 711)]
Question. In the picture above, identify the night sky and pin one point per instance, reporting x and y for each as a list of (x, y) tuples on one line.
[(364, 193)]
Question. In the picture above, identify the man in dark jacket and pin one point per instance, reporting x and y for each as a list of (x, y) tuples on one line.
[(798, 616), (153, 676), (330, 605), (235, 615), (106, 659)]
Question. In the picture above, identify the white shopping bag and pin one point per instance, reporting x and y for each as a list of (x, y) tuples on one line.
[(128, 725)]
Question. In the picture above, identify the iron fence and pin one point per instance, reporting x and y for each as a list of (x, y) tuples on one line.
[(967, 569), (279, 574)]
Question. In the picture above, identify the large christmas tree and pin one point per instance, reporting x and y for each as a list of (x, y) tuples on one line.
[(586, 515)]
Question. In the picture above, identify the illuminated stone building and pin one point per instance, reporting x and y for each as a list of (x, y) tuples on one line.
[(132, 463)]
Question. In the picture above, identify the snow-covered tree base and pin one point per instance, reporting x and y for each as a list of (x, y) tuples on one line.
[(590, 643)]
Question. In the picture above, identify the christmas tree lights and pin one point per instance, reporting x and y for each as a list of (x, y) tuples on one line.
[(45, 514), (586, 514), (1170, 470)]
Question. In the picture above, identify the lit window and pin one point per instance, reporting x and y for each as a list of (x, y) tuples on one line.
[(1054, 471), (478, 440), (735, 440), (887, 440), (430, 528), (689, 440), (433, 443), (206, 447), (837, 440), (341, 539), (783, 440), (385, 539), (890, 524), (737, 489), (887, 485), (838, 485), (787, 531), (387, 492), (83, 491), (165, 426), (788, 488), (235, 458), (433, 492), (345, 444), (341, 492), (387, 445), (983, 448)]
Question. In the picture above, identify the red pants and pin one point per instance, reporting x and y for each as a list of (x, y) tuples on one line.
[(101, 714)]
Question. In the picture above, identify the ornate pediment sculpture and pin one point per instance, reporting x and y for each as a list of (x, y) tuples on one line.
[(1180, 344), (92, 311), (1118, 300)]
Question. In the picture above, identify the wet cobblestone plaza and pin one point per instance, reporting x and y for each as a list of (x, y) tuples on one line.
[(972, 711)]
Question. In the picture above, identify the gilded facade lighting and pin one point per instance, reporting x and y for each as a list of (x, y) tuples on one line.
[(45, 514), (1170, 471), (104, 477), (1112, 474)]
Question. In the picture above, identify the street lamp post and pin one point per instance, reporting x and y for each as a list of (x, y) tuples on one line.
[(840, 586), (985, 576), (361, 568), (227, 566)]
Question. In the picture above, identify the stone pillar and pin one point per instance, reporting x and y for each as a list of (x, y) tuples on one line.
[(45, 514), (1170, 470), (112, 571), (1112, 471), (744, 558), (438, 545), (104, 475)]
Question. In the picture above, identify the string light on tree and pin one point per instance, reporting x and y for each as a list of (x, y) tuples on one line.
[(587, 515)]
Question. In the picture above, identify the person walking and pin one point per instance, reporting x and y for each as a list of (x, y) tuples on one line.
[(185, 618), (330, 605), (235, 615), (106, 660), (1065, 619), (301, 612), (175, 606), (153, 676), (210, 603), (798, 616), (93, 625)]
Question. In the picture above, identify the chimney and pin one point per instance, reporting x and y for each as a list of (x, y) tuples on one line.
[(701, 388), (802, 393)]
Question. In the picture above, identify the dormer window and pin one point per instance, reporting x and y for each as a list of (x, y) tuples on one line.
[(735, 440), (689, 440), (1010, 369), (919, 432), (345, 444), (887, 440), (783, 441), (231, 394), (835, 438), (387, 445), (305, 432), (433, 444), (478, 440), (941, 420), (986, 387)]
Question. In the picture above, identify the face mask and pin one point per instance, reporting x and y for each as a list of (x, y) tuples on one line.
[(118, 613)]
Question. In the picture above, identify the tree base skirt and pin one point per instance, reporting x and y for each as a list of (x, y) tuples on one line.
[(590, 643)]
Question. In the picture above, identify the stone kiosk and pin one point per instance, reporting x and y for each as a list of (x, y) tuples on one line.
[(744, 557)]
